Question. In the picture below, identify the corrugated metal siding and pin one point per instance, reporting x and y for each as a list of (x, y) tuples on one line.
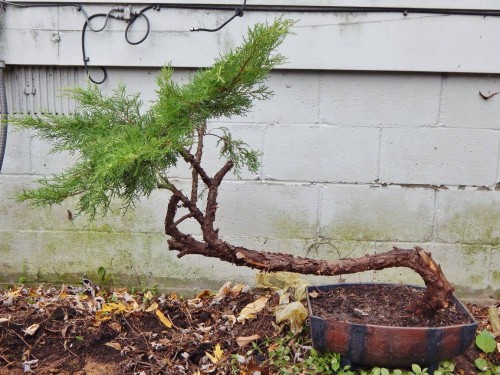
[(33, 90)]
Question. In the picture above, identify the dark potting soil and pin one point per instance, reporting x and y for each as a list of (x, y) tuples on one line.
[(384, 305)]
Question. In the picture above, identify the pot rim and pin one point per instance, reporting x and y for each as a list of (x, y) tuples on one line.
[(309, 288)]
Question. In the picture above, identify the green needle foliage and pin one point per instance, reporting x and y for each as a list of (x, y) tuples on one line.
[(125, 154)]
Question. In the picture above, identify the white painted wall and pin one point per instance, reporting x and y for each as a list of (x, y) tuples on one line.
[(362, 151)]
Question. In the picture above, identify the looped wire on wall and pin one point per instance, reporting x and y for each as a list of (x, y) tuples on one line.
[(125, 14), (238, 12)]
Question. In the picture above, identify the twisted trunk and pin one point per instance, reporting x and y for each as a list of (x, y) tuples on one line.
[(437, 296)]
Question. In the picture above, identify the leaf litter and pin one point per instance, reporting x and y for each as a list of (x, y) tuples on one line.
[(89, 330)]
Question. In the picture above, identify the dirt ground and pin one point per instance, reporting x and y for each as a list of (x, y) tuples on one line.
[(87, 330)]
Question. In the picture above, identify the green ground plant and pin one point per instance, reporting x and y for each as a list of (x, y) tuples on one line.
[(487, 344), (293, 355)]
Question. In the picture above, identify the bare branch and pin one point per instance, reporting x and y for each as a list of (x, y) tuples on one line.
[(193, 209), (222, 173), (180, 220), (197, 161), (213, 191), (190, 159)]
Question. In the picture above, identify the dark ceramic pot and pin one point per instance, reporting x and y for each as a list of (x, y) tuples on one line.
[(373, 345)]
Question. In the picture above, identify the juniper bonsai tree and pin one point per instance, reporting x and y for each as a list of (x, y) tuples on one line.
[(125, 153)]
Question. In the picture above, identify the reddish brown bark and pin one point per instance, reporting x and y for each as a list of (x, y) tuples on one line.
[(438, 291)]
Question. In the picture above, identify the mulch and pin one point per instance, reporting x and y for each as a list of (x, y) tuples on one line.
[(87, 330)]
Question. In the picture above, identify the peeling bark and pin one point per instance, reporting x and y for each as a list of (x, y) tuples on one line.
[(437, 296)]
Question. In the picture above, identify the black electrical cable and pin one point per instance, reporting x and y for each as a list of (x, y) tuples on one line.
[(86, 59), (82, 9), (130, 24), (148, 27), (107, 16), (238, 12)]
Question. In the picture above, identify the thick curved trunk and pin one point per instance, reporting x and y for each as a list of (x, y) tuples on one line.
[(438, 291), (437, 296)]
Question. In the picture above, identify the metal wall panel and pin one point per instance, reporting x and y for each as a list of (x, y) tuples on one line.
[(365, 41), (33, 89)]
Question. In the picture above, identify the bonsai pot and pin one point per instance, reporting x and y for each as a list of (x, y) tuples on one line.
[(388, 346)]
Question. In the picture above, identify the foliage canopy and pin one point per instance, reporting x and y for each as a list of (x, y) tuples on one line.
[(125, 154)]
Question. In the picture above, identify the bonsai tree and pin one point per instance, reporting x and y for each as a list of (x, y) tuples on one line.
[(125, 154)]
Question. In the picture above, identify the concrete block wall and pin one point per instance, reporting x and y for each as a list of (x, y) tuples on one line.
[(368, 143), (353, 163)]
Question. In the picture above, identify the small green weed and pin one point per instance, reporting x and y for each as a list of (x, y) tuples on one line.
[(105, 278), (486, 342)]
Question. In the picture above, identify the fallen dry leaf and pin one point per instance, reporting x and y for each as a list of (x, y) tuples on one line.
[(313, 294), (230, 318), (202, 328), (165, 341), (96, 322), (115, 326), (295, 313), (494, 319), (109, 309), (285, 281), (27, 365), (223, 291), (114, 345), (153, 307), (166, 322), (245, 340), (205, 293), (31, 329), (250, 310), (217, 354)]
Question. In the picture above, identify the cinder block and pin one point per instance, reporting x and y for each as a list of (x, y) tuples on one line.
[(45, 163), (17, 152), (439, 156), (295, 100), (350, 212), (468, 216), (463, 107), (17, 250), (379, 99), (22, 216), (268, 210), (320, 153)]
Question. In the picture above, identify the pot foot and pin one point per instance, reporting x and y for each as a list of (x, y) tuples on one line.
[(344, 361), (432, 367)]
